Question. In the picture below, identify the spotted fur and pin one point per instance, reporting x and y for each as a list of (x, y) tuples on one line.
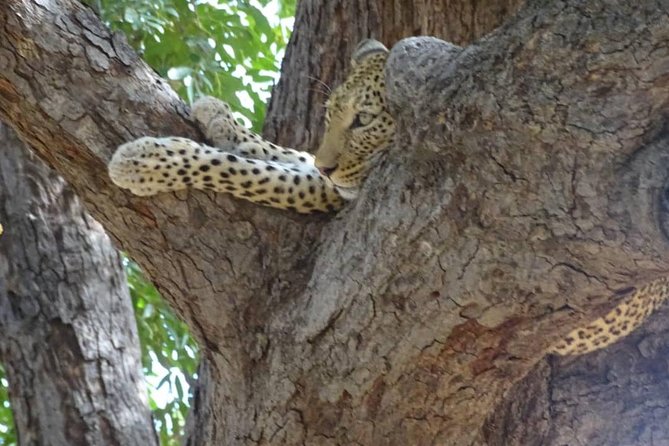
[(618, 323), (358, 125)]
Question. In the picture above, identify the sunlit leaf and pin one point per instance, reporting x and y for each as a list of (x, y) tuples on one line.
[(131, 15), (178, 73)]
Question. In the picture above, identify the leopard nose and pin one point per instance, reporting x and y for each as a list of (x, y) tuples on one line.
[(327, 171)]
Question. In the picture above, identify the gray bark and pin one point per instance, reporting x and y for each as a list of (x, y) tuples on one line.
[(527, 182), (616, 396), (69, 342)]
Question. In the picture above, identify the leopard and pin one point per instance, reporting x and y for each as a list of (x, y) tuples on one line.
[(243, 164), (358, 128), (622, 320)]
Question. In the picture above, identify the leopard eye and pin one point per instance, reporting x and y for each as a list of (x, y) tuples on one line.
[(362, 119)]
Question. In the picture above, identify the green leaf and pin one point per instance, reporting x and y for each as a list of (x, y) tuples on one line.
[(180, 390)]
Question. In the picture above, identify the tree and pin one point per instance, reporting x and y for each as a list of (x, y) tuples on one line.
[(527, 181), (69, 342)]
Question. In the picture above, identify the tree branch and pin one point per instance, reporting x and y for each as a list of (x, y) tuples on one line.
[(75, 91)]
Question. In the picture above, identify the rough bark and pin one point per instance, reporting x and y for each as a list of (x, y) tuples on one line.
[(617, 396), (69, 342), (526, 182)]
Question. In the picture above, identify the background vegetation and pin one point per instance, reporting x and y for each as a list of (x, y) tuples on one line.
[(229, 49)]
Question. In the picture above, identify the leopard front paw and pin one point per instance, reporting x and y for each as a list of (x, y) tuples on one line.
[(214, 118), (148, 165)]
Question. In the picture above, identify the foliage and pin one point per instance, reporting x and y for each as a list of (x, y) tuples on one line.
[(226, 49), (7, 432), (169, 356)]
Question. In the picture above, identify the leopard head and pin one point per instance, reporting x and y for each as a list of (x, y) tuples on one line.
[(358, 125)]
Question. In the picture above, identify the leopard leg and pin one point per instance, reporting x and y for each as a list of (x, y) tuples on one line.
[(151, 165)]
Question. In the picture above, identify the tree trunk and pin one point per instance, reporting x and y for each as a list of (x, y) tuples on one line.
[(69, 342), (527, 181)]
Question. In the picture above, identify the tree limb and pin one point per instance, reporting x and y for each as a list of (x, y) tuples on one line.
[(75, 91)]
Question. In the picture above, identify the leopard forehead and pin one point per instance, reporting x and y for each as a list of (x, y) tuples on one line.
[(365, 82)]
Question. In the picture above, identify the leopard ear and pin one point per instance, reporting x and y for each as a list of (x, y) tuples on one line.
[(367, 48)]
